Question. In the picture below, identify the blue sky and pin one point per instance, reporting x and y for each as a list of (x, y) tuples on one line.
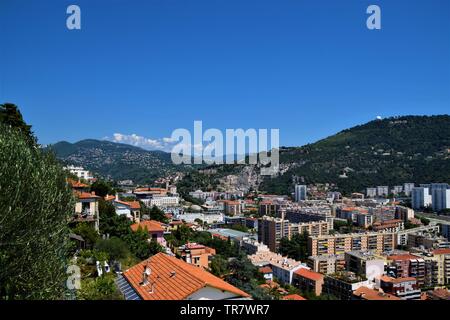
[(309, 68)]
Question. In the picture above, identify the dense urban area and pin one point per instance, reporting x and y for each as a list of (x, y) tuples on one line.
[(171, 240)]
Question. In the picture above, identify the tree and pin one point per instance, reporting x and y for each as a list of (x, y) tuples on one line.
[(88, 233), (296, 248), (158, 215), (111, 223), (218, 265), (11, 116), (102, 188), (101, 288), (35, 205), (114, 247)]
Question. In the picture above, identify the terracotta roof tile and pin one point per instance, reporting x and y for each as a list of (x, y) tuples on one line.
[(151, 225), (174, 279), (308, 274)]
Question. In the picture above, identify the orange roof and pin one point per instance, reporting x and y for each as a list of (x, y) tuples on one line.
[(405, 256), (371, 294), (293, 297), (77, 184), (151, 225), (85, 195), (442, 251), (265, 269), (174, 279), (396, 280), (308, 274), (131, 204)]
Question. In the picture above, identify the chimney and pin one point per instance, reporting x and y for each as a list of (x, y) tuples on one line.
[(145, 275), (117, 197)]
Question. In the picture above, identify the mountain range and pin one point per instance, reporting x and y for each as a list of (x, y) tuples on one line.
[(390, 151)]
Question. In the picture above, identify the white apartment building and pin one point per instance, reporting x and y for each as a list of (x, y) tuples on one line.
[(371, 192), (382, 191), (420, 197), (440, 194), (407, 188), (80, 172), (161, 201), (283, 268), (300, 192)]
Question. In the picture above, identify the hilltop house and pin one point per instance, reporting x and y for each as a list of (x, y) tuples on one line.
[(154, 228)]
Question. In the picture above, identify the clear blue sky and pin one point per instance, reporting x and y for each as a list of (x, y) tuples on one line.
[(309, 68)]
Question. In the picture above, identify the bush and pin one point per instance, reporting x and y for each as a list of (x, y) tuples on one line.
[(35, 205)]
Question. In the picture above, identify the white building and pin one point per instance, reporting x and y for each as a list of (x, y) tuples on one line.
[(407, 188), (80, 172), (283, 268), (161, 201), (420, 197), (382, 191), (205, 217), (371, 192), (300, 192), (440, 194)]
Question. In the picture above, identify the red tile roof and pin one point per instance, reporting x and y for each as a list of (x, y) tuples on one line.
[(308, 274), (131, 204), (400, 257), (396, 280), (265, 269), (174, 279), (151, 225), (85, 195), (371, 294), (442, 251), (293, 297)]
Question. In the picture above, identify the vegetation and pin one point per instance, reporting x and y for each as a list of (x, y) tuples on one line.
[(296, 248), (35, 204)]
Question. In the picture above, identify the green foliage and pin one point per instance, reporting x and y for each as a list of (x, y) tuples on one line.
[(101, 288), (112, 224), (296, 248), (35, 205), (102, 188), (11, 116), (88, 232), (382, 152), (218, 265), (114, 247), (158, 215)]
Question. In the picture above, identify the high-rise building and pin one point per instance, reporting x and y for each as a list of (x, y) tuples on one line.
[(382, 191), (300, 192), (272, 230), (420, 197), (371, 192), (440, 194), (407, 188)]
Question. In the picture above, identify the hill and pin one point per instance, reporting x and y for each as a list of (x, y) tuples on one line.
[(116, 160), (381, 152)]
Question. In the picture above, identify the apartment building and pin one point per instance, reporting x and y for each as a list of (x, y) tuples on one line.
[(420, 198), (86, 208), (440, 195), (196, 254), (300, 192), (341, 243), (394, 225), (308, 281), (405, 288), (408, 265), (327, 264), (404, 213), (271, 230), (364, 263), (283, 268), (343, 284)]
